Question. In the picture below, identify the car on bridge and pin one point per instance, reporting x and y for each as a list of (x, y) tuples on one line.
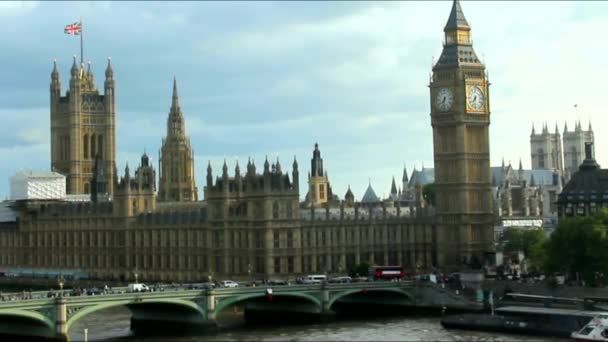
[(200, 286), (340, 280), (278, 282), (228, 284)]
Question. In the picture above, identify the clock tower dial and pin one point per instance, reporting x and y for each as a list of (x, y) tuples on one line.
[(444, 99), (475, 98)]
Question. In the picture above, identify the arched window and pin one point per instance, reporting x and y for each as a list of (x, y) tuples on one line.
[(86, 188), (93, 145), (574, 157), (275, 210), (541, 158), (100, 146), (85, 146)]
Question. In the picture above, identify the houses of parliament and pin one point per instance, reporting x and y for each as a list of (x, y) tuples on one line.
[(251, 222)]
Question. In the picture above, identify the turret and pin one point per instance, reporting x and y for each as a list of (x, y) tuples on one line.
[(393, 187), (108, 87), (565, 127), (278, 166), (237, 177), (209, 177), (55, 84), (90, 81), (295, 175), (225, 170), (266, 167)]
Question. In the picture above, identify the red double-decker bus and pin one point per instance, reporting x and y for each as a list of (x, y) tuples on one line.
[(386, 272)]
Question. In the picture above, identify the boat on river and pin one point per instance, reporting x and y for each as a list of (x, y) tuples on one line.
[(595, 330)]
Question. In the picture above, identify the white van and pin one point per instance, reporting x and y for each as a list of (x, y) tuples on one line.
[(316, 278), (138, 288)]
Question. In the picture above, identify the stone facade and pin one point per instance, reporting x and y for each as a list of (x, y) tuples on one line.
[(249, 226), (460, 116), (82, 128)]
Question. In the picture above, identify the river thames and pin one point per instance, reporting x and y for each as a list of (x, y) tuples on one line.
[(114, 324)]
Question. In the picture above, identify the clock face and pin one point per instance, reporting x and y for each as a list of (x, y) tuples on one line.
[(444, 99), (475, 98)]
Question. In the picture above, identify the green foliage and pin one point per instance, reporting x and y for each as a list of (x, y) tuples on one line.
[(361, 269), (580, 245), (514, 240), (428, 191)]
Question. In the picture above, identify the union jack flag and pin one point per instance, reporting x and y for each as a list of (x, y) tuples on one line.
[(74, 28)]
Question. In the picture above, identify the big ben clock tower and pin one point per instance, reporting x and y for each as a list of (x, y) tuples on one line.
[(460, 116)]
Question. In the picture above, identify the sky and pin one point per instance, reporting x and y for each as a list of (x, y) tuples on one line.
[(270, 79)]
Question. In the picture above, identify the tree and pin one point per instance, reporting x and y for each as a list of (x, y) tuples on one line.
[(580, 246), (360, 270), (516, 239), (428, 192)]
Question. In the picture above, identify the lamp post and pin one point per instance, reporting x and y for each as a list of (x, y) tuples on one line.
[(60, 281), (135, 274), (249, 273)]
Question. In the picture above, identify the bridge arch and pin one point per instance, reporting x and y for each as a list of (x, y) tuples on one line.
[(46, 324), (102, 306), (338, 295), (233, 300)]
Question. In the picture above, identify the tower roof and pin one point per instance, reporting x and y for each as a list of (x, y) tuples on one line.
[(458, 49), (175, 98), (393, 187), (370, 195), (456, 19)]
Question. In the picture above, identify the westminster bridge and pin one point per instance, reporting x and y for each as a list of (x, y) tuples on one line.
[(53, 317)]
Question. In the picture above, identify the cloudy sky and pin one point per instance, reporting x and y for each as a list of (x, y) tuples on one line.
[(273, 78)]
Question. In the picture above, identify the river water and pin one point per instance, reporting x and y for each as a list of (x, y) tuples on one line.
[(114, 324)]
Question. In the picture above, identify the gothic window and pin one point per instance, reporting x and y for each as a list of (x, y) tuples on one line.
[(574, 157), (85, 146), (289, 211), (93, 145), (541, 158), (259, 264), (275, 210), (259, 242), (321, 191), (289, 239), (277, 265), (100, 146), (275, 236), (86, 188), (290, 264)]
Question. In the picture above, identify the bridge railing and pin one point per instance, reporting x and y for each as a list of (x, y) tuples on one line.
[(38, 297)]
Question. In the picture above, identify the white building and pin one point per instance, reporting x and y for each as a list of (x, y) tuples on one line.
[(27, 185)]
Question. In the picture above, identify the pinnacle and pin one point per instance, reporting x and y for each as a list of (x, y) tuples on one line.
[(456, 18)]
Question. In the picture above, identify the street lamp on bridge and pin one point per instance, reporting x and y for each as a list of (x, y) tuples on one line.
[(61, 281)]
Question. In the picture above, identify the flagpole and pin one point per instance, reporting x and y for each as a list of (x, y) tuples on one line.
[(81, 46)]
